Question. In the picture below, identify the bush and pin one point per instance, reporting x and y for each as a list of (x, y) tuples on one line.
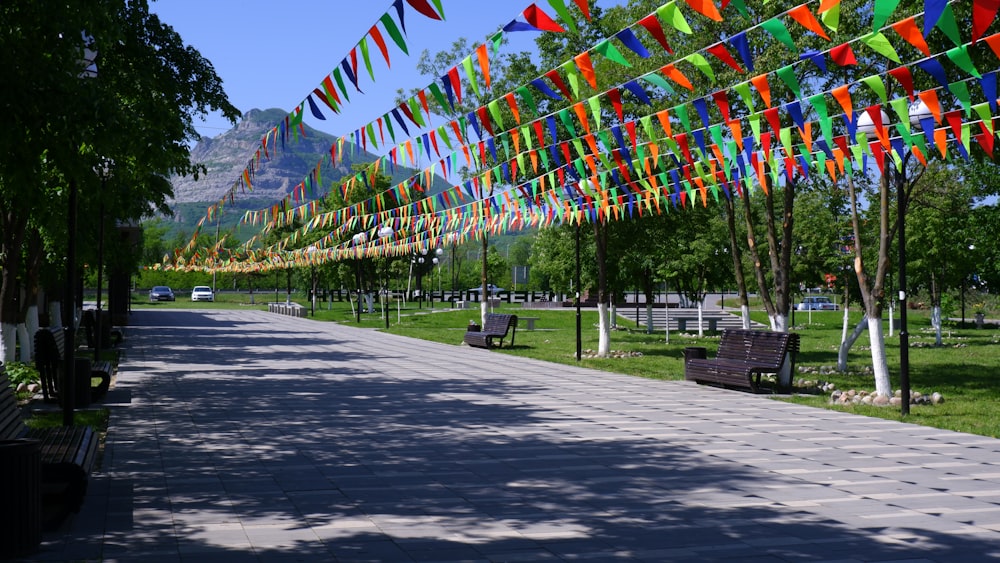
[(21, 373)]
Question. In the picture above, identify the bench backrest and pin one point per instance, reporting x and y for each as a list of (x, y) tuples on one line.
[(50, 348), (11, 424), (499, 323), (759, 347)]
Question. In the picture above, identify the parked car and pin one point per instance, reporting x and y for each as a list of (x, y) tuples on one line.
[(490, 287), (161, 293), (817, 303), (202, 293)]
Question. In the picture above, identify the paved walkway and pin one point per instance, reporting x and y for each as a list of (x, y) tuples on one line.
[(248, 436)]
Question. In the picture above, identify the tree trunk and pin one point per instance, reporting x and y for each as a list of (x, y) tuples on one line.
[(737, 255), (484, 308), (12, 234), (604, 326), (603, 300), (847, 341), (649, 318), (872, 290)]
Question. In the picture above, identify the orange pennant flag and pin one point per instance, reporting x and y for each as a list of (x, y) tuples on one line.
[(671, 72), (705, 8), (843, 96), (586, 67), (484, 63), (805, 18), (760, 83), (930, 99), (910, 32)]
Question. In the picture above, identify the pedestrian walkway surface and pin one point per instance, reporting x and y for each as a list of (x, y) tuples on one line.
[(249, 436)]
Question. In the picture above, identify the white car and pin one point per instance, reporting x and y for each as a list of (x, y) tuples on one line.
[(489, 287), (817, 303), (202, 293)]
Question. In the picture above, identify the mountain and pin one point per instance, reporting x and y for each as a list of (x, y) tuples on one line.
[(226, 156)]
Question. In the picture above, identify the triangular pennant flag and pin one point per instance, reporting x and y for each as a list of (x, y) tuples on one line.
[(933, 9), (908, 30), (843, 55), (905, 79), (424, 8), (560, 7), (540, 20), (629, 40), (484, 63), (742, 46), (960, 56), (610, 52), (706, 8), (393, 31), (883, 9), (876, 85), (787, 75), (880, 44), (804, 17), (983, 14), (947, 24), (777, 29), (652, 24), (720, 52), (586, 68), (674, 18), (763, 88)]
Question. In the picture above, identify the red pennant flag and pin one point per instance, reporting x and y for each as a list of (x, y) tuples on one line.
[(983, 14), (424, 8), (616, 101), (985, 138), (954, 118), (722, 100), (540, 20), (652, 25), (843, 55), (720, 52), (584, 7), (553, 75), (380, 41), (456, 83), (705, 8), (905, 79)]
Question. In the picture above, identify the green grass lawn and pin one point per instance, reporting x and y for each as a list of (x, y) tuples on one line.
[(965, 370)]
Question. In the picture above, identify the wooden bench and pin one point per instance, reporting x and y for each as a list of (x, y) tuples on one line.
[(496, 327), (743, 356), (50, 351), (67, 455)]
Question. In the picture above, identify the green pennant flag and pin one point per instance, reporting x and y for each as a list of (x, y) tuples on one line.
[(439, 97), (674, 18), (883, 9), (903, 127), (365, 57), (716, 132), (818, 102), (743, 89), (880, 44), (494, 108), (820, 160), (983, 111), (785, 135), (505, 141), (902, 108), (566, 121), (545, 159), (469, 72), (595, 109), (439, 7), (390, 27), (733, 150), (416, 109), (754, 119), (961, 91), (949, 26), (578, 145), (496, 41), (610, 52), (578, 164), (699, 62), (560, 7), (831, 17), (787, 75), (657, 80), (443, 134), (681, 112), (777, 29), (960, 56), (742, 7), (527, 99), (874, 82), (526, 135), (573, 77), (388, 126), (647, 127), (340, 83), (520, 161)]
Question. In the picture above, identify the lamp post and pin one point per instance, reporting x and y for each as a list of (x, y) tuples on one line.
[(384, 233), (918, 112), (359, 239), (104, 172)]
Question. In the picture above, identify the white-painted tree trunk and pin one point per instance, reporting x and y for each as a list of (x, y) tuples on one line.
[(846, 342), (484, 309), (604, 326), (55, 313), (614, 316), (936, 323), (845, 323), (745, 316), (780, 323), (649, 318), (24, 340), (879, 365), (8, 341), (666, 321)]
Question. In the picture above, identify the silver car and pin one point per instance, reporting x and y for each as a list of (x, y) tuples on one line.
[(817, 303)]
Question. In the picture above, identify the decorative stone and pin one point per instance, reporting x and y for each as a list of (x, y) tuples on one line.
[(896, 401), (35, 388), (880, 400), (22, 387), (937, 398)]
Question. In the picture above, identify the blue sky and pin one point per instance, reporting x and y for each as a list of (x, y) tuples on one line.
[(272, 54)]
